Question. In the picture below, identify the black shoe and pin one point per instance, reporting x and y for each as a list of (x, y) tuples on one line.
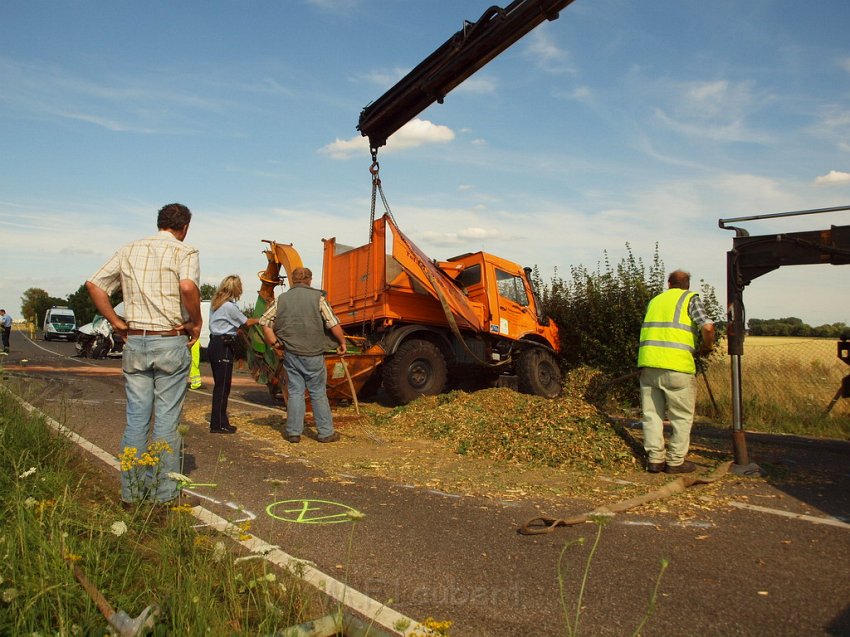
[(686, 467), (332, 438), (293, 439), (227, 429), (655, 467)]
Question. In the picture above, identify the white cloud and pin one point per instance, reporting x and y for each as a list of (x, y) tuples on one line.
[(717, 110), (484, 85), (833, 178), (384, 78), (417, 132), (833, 126), (152, 103), (470, 235), (333, 5), (346, 148), (546, 54), (578, 94)]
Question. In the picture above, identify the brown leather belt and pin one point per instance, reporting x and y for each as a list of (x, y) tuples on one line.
[(154, 332)]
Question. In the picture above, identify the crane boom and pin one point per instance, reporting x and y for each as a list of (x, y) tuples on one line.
[(458, 58)]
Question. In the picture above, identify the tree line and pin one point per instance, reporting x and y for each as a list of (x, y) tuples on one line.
[(598, 311), (35, 302), (793, 326)]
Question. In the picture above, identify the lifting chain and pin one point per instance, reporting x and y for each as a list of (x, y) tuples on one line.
[(374, 169)]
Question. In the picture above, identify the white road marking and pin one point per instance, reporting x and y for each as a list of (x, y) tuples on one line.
[(831, 521), (372, 609), (50, 351), (241, 402)]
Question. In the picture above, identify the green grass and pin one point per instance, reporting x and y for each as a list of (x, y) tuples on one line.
[(54, 515)]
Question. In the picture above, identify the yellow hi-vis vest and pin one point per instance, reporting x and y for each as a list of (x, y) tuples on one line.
[(667, 339)]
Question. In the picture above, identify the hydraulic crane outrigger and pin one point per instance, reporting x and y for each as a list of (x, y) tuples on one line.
[(751, 257), (458, 58)]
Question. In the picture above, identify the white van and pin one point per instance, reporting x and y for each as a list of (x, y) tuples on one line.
[(59, 322)]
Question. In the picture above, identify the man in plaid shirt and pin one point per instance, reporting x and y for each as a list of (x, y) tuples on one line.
[(159, 278)]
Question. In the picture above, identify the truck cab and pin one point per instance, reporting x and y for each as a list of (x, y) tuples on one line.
[(505, 290)]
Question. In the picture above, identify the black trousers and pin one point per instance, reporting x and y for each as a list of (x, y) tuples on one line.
[(7, 331), (221, 361)]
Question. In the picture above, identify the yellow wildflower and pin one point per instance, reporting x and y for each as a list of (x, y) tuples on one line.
[(128, 458), (182, 508), (42, 505), (244, 526), (159, 447)]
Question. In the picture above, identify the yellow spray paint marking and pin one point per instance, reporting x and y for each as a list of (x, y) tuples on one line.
[(310, 511)]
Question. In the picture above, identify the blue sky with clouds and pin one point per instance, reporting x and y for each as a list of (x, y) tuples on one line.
[(620, 122)]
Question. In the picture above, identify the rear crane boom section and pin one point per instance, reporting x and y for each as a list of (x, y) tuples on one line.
[(468, 50)]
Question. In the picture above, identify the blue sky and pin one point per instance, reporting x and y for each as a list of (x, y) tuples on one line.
[(620, 122)]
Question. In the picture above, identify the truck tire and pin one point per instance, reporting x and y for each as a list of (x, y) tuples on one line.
[(416, 369), (538, 373)]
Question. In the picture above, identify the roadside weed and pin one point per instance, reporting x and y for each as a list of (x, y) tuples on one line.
[(572, 614)]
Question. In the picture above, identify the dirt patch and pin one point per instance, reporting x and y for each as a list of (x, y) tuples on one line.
[(494, 443)]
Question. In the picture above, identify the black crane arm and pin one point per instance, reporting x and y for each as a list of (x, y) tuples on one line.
[(459, 57)]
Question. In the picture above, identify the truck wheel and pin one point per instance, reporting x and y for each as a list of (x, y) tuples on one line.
[(538, 373), (416, 369)]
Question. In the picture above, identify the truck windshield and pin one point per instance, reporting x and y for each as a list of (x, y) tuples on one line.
[(510, 287), (60, 319)]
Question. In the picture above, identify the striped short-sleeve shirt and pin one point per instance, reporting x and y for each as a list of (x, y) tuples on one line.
[(148, 272)]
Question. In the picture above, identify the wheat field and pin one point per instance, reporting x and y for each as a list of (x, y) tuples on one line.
[(787, 384)]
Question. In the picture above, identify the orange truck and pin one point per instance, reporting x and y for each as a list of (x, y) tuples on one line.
[(417, 326)]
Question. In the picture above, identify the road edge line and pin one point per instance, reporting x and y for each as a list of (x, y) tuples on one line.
[(360, 603), (830, 521)]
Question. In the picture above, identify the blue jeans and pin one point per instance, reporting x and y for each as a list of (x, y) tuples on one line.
[(155, 373), (307, 373)]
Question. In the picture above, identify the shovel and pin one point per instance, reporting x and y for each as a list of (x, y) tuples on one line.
[(120, 623)]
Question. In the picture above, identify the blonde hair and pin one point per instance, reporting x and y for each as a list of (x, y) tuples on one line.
[(230, 289)]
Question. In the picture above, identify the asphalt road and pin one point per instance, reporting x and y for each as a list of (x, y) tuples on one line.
[(764, 557)]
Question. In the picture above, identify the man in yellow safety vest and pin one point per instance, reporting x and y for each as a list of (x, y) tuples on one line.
[(668, 343)]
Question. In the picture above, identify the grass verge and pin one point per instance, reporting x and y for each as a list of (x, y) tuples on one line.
[(55, 515)]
